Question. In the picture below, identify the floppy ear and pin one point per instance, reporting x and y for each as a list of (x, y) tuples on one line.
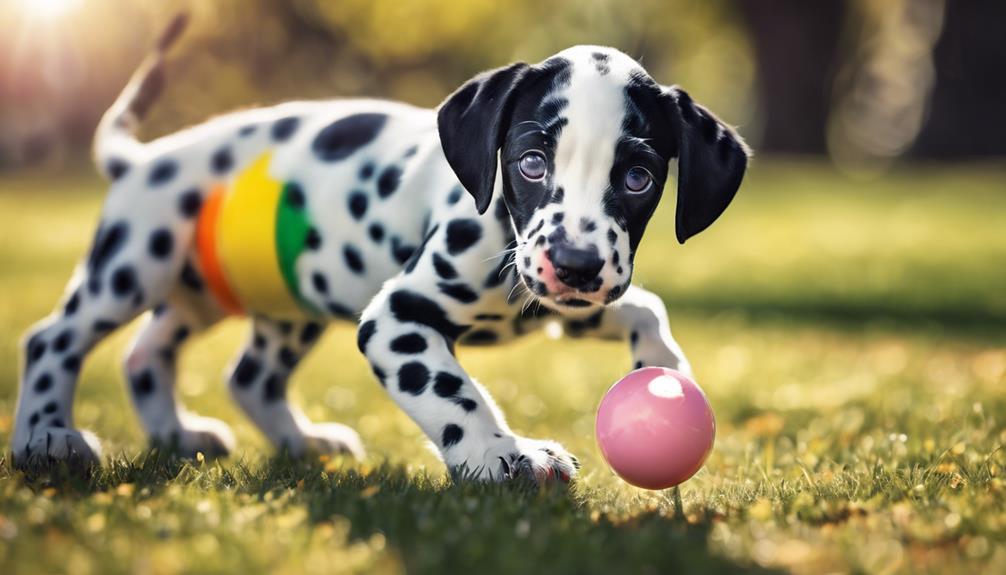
[(711, 163), (472, 123)]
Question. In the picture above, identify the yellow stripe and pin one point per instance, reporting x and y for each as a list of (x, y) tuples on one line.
[(247, 242)]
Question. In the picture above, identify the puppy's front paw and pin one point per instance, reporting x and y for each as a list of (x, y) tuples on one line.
[(51, 444), (211, 437), (512, 457)]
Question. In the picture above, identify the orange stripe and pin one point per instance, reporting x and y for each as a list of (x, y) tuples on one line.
[(206, 246)]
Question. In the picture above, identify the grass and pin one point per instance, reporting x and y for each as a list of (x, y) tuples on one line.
[(849, 335)]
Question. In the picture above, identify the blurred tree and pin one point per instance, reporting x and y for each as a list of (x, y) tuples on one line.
[(967, 115), (796, 45)]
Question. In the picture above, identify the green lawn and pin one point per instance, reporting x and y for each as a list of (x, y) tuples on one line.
[(850, 335)]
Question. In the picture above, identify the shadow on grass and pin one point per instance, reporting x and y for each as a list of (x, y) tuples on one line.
[(431, 523)]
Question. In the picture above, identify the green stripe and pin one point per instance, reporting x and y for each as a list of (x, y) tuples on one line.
[(292, 225)]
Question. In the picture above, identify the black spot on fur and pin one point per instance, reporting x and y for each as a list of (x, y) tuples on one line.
[(117, 168), (353, 259), (452, 435), (189, 203), (364, 333), (313, 239), (295, 197), (447, 384), (613, 293), (455, 196), (615, 257), (285, 327), (462, 234), (190, 277), (50, 408), (413, 377), (639, 365), (357, 205), (71, 363), (319, 282), (558, 195), (634, 338), (410, 343), (411, 307), (33, 420), (246, 131), (161, 243), (247, 371), (480, 337), (576, 303), (42, 383), (366, 171), (108, 242), (72, 304), (222, 161), (143, 384), (401, 251), (274, 388), (443, 267), (36, 349), (612, 236), (123, 281), (376, 232), (389, 180), (601, 63), (342, 138), (162, 172), (57, 423), (458, 291), (310, 333), (258, 341), (587, 225), (63, 340), (557, 218), (288, 358), (103, 326), (284, 128), (181, 334)]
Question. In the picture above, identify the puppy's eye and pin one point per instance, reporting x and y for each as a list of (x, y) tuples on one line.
[(533, 166), (638, 179)]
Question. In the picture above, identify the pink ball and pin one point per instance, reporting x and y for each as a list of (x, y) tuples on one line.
[(655, 427)]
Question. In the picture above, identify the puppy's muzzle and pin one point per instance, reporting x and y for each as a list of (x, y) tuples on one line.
[(574, 266)]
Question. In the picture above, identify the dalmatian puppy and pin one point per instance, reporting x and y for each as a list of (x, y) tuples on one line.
[(520, 201)]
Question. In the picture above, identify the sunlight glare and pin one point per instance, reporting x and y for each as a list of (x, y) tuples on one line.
[(48, 8)]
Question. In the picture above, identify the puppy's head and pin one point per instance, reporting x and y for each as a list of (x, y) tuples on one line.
[(584, 141)]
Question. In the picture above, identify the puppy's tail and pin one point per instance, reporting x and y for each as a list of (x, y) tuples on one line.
[(116, 133)]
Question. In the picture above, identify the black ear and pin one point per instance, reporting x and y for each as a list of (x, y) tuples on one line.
[(472, 123), (712, 159)]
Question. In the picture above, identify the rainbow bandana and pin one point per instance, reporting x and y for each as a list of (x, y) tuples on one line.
[(246, 267)]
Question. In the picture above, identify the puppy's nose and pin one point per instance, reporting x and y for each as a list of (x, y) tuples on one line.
[(574, 267)]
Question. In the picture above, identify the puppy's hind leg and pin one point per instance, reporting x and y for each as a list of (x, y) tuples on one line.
[(258, 381), (98, 301), (151, 371)]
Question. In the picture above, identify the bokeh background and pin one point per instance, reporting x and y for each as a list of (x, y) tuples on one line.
[(846, 315), (861, 82)]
